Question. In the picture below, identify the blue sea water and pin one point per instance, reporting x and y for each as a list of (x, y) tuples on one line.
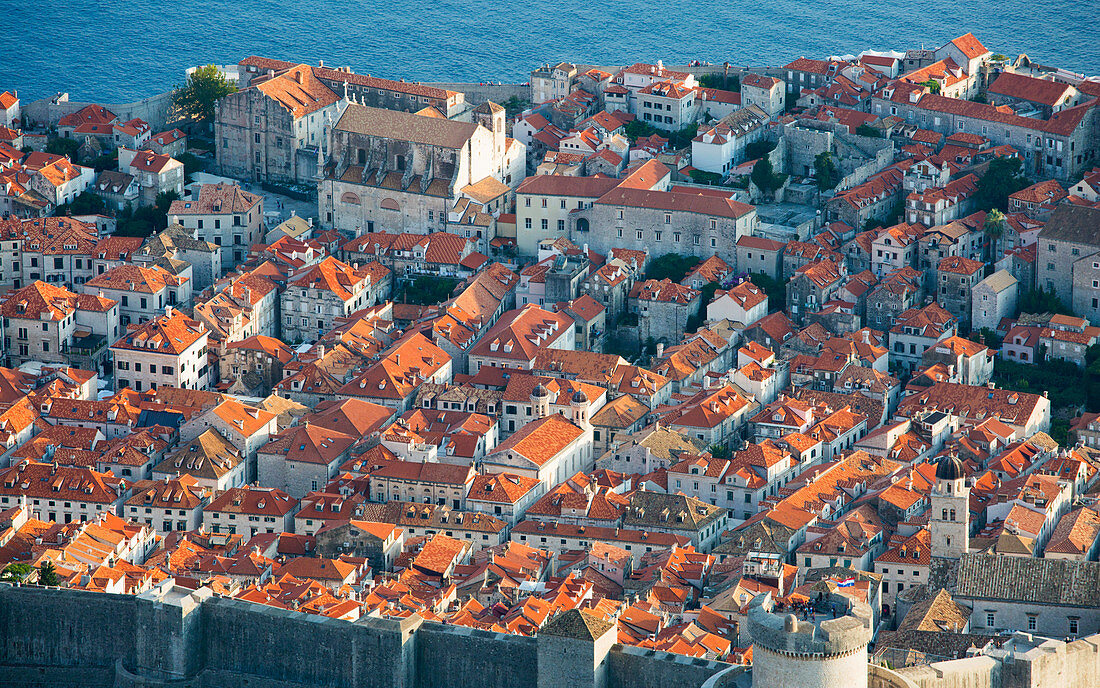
[(122, 50)]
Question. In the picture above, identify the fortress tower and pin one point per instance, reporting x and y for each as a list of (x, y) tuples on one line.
[(827, 653), (949, 521)]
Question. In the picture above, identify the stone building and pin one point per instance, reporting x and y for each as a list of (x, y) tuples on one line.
[(956, 279), (676, 221), (259, 356), (550, 82), (271, 130), (993, 299), (915, 330), (48, 323), (663, 308), (1068, 258), (141, 292), (721, 147), (545, 204), (169, 351), (316, 296), (392, 94), (153, 173), (400, 172), (178, 243), (895, 293), (812, 286), (1060, 147), (225, 215), (765, 92)]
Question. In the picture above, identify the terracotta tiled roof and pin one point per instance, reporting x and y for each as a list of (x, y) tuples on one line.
[(541, 440), (297, 90), (173, 333), (64, 483), (225, 199), (253, 500)]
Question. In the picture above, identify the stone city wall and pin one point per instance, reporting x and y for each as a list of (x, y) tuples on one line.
[(174, 638), (48, 111)]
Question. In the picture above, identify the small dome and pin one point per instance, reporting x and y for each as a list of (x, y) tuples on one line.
[(579, 397), (540, 391), (790, 623), (949, 468)]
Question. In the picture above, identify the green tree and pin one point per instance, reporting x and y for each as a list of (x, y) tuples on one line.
[(1042, 301), (682, 138), (425, 290), (933, 85), (515, 105), (995, 230), (191, 163), (989, 338), (163, 202), (775, 289), (764, 176), (721, 81), (721, 451), (204, 87), (47, 574), (758, 149), (637, 129), (61, 146), (87, 203), (108, 161), (828, 175), (868, 131), (671, 266), (701, 177), (15, 573), (1002, 178)]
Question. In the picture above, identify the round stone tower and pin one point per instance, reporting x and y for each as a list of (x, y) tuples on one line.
[(818, 652)]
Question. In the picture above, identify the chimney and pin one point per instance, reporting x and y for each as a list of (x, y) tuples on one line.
[(660, 349)]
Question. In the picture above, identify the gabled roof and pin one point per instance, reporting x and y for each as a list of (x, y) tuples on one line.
[(577, 624)]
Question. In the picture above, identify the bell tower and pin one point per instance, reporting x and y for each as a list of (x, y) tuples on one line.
[(949, 522)]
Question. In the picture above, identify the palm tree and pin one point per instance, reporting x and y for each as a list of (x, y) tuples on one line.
[(995, 229)]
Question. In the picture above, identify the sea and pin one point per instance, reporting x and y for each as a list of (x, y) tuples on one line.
[(118, 51)]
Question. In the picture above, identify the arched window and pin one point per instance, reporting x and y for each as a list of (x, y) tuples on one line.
[(945, 514), (952, 514), (349, 197), (389, 204)]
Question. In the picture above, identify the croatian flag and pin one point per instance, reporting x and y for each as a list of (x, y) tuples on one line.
[(846, 583)]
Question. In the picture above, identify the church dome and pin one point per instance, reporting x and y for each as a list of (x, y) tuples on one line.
[(949, 468), (579, 397), (540, 392)]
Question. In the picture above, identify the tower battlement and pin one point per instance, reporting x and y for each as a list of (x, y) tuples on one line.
[(807, 652)]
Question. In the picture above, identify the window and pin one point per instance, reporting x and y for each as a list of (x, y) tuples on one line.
[(1073, 626), (1032, 621)]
